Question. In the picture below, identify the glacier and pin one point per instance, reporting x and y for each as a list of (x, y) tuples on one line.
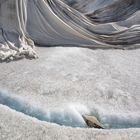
[(45, 98), (88, 64)]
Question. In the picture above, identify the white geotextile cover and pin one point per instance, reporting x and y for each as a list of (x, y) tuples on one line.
[(90, 23)]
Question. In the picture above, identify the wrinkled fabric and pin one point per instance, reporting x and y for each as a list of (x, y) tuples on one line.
[(80, 23)]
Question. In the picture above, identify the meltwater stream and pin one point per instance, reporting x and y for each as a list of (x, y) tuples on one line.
[(70, 115)]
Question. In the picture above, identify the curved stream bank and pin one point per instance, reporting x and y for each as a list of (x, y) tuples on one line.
[(71, 115)]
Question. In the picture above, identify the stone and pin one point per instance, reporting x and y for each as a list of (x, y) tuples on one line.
[(92, 121)]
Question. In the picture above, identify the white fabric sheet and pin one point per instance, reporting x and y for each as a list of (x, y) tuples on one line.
[(80, 23)]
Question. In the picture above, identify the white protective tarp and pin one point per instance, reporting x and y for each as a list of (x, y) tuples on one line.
[(90, 23)]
